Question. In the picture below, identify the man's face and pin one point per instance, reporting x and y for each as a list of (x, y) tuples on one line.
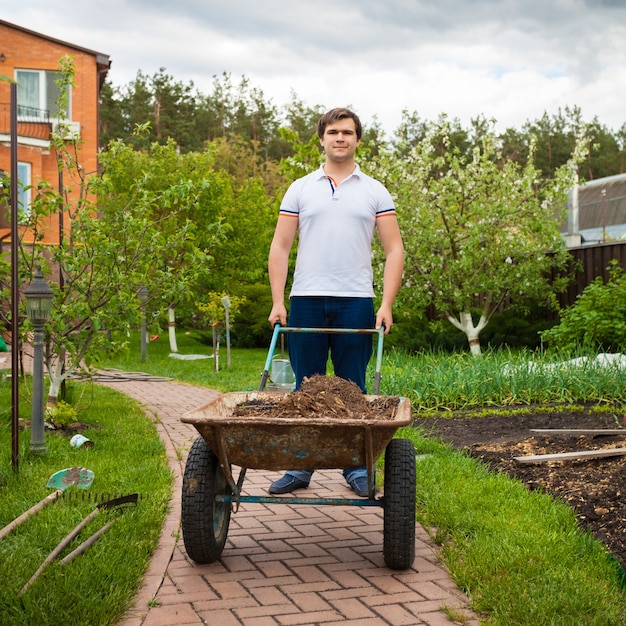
[(339, 141)]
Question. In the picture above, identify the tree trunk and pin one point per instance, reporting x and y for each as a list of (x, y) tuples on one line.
[(55, 372), (466, 324), (60, 370), (172, 328)]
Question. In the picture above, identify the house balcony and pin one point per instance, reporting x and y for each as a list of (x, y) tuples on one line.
[(31, 123)]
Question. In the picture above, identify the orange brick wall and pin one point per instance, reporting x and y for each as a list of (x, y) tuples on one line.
[(24, 50)]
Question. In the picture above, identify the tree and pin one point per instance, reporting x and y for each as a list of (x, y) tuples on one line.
[(112, 250), (604, 157), (121, 237), (413, 130), (555, 138), (214, 311), (122, 109), (480, 232), (177, 193)]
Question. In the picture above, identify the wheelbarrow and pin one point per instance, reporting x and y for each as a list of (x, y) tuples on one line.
[(210, 493)]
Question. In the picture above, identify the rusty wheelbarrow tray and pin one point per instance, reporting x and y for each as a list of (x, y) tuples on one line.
[(210, 492), (278, 443)]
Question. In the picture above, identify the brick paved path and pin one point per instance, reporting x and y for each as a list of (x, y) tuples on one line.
[(282, 564)]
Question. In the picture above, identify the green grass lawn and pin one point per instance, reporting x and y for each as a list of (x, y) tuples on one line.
[(519, 555), (98, 586)]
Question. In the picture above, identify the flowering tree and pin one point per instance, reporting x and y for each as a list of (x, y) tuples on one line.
[(480, 232)]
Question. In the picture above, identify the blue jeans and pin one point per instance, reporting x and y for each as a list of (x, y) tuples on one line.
[(350, 353)]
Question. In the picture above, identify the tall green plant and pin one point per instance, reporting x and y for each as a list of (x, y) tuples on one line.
[(598, 317)]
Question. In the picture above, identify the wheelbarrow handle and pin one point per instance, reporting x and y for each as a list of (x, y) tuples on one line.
[(330, 331)]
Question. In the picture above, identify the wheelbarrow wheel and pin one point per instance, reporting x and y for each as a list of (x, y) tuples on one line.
[(204, 521), (399, 505)]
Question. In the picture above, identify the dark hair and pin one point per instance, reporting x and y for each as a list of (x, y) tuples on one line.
[(339, 114)]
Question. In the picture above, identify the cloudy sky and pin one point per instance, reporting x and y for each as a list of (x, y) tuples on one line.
[(511, 60)]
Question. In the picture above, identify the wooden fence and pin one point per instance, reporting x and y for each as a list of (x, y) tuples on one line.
[(593, 261)]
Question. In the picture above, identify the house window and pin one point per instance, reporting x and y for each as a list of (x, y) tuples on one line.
[(37, 95), (23, 192)]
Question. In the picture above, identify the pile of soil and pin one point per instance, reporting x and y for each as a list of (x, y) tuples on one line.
[(594, 488), (323, 397)]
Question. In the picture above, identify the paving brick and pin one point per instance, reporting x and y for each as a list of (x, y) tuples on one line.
[(352, 608), (271, 610), (309, 549), (433, 592), (309, 602), (229, 589), (348, 579), (376, 599), (223, 617), (190, 584), (319, 587), (396, 614), (426, 606), (223, 604), (309, 573), (389, 584), (438, 618), (277, 581), (258, 621), (269, 595), (372, 621), (316, 617), (180, 614), (236, 563)]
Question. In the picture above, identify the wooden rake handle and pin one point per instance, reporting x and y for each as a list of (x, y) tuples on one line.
[(62, 545), (86, 544), (132, 498), (24, 516)]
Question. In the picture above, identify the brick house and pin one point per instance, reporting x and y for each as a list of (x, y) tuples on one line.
[(32, 60)]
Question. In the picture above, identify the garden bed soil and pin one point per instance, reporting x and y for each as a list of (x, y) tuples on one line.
[(595, 487)]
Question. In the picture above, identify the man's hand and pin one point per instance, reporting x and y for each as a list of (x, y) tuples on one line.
[(384, 318), (278, 315)]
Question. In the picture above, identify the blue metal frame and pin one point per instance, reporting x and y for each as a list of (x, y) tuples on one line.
[(329, 331), (294, 500)]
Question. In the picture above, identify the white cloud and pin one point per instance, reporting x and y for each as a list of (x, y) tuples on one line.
[(511, 60)]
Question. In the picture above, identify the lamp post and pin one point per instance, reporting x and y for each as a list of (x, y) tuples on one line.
[(226, 303), (38, 302), (142, 294)]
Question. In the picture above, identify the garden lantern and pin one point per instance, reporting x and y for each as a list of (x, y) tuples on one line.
[(38, 303)]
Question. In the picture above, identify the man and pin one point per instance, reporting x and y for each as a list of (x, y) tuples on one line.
[(336, 211)]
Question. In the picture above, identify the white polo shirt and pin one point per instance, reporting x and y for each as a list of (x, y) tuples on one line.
[(336, 226)]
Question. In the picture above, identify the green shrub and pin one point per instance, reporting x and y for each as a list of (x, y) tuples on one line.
[(61, 415), (597, 320), (252, 329), (516, 327)]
